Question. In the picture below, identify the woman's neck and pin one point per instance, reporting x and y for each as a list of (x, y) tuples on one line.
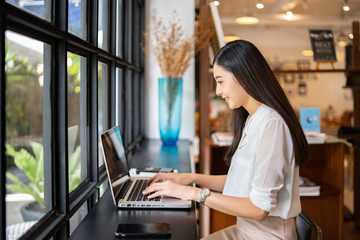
[(252, 106)]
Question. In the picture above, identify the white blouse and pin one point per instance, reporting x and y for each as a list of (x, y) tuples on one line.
[(263, 167)]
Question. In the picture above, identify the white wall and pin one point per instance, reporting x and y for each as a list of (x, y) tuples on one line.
[(186, 11)]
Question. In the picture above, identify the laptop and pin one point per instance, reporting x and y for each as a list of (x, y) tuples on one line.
[(127, 189)]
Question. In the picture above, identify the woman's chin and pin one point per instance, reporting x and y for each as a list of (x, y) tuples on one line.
[(231, 106)]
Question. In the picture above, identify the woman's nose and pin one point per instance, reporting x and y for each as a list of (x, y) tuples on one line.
[(217, 91)]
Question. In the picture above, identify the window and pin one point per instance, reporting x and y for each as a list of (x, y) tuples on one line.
[(103, 25), (24, 129), (73, 69), (76, 112), (102, 102), (40, 9), (77, 18)]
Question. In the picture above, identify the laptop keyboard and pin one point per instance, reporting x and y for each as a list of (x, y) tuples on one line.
[(136, 192)]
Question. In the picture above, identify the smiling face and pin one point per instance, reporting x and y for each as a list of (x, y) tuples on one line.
[(229, 88)]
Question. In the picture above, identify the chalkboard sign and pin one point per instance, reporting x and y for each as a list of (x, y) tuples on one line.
[(322, 43)]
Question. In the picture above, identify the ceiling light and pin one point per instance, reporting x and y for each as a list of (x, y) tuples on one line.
[(231, 38), (341, 41), (216, 3), (247, 18), (259, 4), (307, 53), (346, 6), (289, 15)]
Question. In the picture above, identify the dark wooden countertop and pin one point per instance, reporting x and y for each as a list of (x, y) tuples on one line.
[(103, 218)]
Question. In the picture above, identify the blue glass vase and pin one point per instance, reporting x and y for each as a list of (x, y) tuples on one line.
[(170, 98)]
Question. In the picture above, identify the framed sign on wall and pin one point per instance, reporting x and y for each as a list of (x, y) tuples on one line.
[(323, 46)]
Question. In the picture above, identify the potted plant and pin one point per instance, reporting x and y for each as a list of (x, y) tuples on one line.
[(33, 167)]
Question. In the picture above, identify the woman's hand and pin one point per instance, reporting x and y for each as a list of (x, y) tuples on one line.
[(170, 189), (180, 178)]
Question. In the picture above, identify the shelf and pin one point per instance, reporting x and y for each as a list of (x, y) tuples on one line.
[(325, 191), (352, 87), (344, 70), (329, 70)]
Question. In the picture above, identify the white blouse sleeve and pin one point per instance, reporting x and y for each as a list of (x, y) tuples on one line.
[(274, 154)]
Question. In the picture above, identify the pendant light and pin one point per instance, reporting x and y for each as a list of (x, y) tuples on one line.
[(216, 3), (346, 6), (247, 17), (230, 38), (259, 5), (341, 41)]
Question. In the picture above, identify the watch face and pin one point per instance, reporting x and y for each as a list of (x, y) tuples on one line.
[(205, 191)]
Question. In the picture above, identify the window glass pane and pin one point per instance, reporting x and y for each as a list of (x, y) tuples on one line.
[(129, 107), (103, 25), (136, 33), (136, 104), (76, 116), (119, 98), (102, 103), (77, 24), (41, 9), (119, 29), (24, 69), (129, 31)]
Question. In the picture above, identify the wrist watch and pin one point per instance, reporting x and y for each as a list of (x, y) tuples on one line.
[(204, 193)]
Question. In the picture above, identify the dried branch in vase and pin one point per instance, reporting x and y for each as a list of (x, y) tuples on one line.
[(172, 49), (173, 52)]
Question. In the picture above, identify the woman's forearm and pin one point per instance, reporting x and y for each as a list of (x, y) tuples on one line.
[(214, 182), (236, 206)]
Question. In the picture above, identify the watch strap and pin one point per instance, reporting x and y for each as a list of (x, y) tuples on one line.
[(204, 193)]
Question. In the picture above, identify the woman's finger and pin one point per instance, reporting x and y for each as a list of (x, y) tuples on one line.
[(152, 188), (157, 178), (152, 179), (155, 194)]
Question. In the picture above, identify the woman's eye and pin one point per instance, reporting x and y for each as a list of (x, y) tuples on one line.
[(218, 82)]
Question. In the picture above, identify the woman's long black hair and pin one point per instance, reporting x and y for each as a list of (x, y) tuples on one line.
[(251, 70)]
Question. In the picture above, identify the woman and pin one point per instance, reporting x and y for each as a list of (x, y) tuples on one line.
[(262, 184)]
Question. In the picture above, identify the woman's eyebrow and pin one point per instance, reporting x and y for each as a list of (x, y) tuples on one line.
[(217, 77)]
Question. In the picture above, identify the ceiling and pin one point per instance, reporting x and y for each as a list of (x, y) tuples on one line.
[(306, 12), (322, 14)]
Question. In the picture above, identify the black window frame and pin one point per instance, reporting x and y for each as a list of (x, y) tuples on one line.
[(55, 224)]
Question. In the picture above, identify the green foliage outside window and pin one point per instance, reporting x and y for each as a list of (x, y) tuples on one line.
[(33, 166), (23, 97), (24, 121)]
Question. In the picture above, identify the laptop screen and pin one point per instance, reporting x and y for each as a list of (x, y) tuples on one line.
[(114, 154)]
